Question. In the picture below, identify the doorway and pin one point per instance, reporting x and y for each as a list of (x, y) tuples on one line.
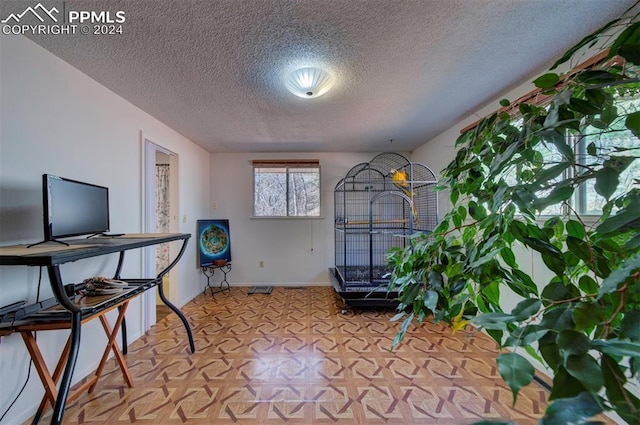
[(160, 215), (163, 225)]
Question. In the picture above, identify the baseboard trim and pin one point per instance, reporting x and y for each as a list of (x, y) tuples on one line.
[(281, 284)]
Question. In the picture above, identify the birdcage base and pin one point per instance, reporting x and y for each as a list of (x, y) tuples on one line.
[(364, 294)]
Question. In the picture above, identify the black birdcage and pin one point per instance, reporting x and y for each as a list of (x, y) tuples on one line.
[(378, 205)]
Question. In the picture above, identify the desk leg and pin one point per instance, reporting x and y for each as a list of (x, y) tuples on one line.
[(113, 346), (164, 299), (76, 324), (56, 377), (116, 275), (123, 332), (177, 311), (63, 391), (49, 383)]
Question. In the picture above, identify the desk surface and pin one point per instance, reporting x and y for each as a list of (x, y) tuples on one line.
[(53, 253)]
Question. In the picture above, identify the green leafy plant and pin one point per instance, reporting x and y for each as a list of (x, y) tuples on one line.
[(512, 187)]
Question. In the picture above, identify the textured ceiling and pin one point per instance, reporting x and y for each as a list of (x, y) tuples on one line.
[(406, 70)]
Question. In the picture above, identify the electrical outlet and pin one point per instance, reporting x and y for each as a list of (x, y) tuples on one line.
[(214, 206), (184, 218), (261, 264)]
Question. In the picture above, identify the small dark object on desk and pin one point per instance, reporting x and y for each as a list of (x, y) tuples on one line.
[(70, 289), (28, 309), (112, 235), (102, 286)]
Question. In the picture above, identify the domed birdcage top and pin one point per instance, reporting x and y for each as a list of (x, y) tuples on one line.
[(384, 165)]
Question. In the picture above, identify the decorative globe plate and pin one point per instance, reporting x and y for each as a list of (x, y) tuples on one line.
[(214, 240)]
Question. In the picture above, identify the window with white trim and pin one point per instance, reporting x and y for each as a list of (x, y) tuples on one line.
[(586, 144), (286, 188), (592, 141)]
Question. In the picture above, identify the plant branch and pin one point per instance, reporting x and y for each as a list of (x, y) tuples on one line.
[(592, 257), (607, 324), (457, 228)]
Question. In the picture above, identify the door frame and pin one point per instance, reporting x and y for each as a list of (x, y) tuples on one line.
[(149, 149)]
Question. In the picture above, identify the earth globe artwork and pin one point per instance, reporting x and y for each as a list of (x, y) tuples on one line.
[(214, 240)]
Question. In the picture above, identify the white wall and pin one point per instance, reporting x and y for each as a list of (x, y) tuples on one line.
[(54, 119), (438, 152), (294, 251)]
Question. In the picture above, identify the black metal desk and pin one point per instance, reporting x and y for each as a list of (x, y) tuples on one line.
[(52, 256)]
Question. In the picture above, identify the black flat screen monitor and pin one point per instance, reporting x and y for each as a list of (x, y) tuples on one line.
[(73, 208)]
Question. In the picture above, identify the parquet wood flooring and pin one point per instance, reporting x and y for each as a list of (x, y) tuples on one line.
[(291, 357)]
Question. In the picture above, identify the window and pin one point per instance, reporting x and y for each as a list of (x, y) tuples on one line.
[(286, 188), (588, 202), (546, 156), (589, 144), (550, 157)]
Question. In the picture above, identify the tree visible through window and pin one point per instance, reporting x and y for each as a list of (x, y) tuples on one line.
[(620, 142), (286, 188), (589, 145)]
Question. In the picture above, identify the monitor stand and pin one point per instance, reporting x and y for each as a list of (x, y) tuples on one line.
[(50, 240)]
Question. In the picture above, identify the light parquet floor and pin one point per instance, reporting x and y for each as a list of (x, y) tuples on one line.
[(291, 357)]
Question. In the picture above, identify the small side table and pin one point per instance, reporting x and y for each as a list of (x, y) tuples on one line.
[(209, 271)]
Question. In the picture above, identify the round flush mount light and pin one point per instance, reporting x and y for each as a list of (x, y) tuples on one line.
[(309, 82)]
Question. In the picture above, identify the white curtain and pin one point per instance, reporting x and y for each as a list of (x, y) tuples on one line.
[(162, 214)]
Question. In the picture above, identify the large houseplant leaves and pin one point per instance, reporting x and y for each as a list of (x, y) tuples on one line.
[(580, 316)]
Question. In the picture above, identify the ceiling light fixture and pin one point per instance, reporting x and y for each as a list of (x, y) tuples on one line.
[(309, 82)]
